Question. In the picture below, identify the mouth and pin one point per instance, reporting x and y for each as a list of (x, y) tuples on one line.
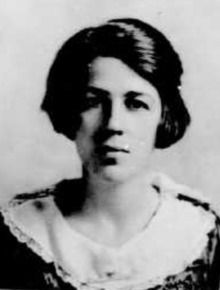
[(105, 149)]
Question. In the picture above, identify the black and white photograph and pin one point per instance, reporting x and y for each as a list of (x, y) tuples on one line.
[(110, 145)]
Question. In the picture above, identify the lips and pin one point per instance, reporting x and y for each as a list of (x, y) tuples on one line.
[(104, 149)]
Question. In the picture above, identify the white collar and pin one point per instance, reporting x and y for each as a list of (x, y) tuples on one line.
[(141, 261)]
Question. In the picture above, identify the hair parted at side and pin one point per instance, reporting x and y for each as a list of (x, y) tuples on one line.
[(140, 46)]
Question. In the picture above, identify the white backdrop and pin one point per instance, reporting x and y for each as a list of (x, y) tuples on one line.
[(33, 156)]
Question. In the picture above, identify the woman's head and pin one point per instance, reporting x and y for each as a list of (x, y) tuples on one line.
[(138, 45), (120, 115)]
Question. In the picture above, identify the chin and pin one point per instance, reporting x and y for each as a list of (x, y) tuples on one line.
[(117, 174)]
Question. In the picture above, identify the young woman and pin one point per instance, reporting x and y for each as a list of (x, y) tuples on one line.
[(115, 91)]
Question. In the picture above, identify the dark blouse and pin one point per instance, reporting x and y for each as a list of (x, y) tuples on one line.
[(21, 268)]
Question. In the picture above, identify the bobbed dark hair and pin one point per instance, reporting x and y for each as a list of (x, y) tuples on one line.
[(140, 46)]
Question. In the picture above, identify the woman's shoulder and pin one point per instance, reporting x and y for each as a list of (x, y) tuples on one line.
[(188, 209), (26, 261), (186, 195), (28, 214), (190, 227), (18, 262)]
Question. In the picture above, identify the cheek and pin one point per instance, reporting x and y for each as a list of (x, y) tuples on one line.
[(90, 122), (145, 129), (83, 143), (144, 136)]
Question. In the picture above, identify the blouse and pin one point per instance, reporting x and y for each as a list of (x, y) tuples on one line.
[(178, 250)]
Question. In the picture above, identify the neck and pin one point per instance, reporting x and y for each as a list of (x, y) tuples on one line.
[(121, 202)]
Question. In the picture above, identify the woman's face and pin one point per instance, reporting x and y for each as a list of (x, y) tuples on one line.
[(121, 112)]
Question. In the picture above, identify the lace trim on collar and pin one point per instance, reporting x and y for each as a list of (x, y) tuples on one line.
[(60, 271), (31, 243), (24, 238)]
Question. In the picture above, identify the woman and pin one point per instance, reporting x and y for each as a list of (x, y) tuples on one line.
[(115, 91)]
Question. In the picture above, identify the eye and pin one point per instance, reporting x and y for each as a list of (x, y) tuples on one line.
[(136, 104), (90, 101), (94, 98)]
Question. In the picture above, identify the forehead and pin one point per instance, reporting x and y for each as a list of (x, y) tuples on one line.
[(109, 73)]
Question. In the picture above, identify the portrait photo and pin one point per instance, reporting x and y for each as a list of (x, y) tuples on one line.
[(110, 144)]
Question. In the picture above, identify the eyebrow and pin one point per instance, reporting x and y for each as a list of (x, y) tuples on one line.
[(97, 90), (130, 94), (104, 93), (134, 94)]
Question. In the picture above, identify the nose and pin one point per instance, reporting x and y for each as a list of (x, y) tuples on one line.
[(114, 117)]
